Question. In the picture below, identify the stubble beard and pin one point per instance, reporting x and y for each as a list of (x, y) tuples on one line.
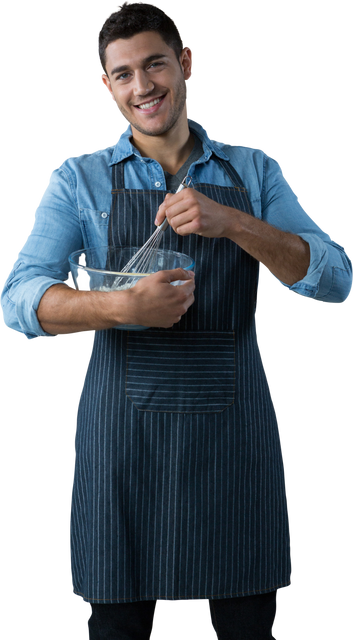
[(173, 117)]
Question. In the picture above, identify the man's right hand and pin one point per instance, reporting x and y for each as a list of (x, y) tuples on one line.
[(155, 302)]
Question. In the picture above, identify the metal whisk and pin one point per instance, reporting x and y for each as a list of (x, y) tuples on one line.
[(142, 261)]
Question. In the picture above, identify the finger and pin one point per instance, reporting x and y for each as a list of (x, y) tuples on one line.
[(180, 274), (161, 213), (188, 287), (185, 227), (169, 275)]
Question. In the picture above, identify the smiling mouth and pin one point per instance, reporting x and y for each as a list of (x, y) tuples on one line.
[(149, 105)]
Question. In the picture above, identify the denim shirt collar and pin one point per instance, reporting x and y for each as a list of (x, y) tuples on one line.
[(124, 149)]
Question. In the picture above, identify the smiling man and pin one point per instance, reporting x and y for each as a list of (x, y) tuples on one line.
[(179, 486), (150, 92)]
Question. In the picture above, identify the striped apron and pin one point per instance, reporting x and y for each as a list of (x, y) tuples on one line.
[(179, 487)]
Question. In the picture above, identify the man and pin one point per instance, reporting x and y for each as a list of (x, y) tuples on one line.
[(179, 489)]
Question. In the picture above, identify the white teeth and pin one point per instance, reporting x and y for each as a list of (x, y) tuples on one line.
[(148, 105)]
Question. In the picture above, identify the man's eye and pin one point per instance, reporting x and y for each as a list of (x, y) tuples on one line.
[(151, 65), (122, 76)]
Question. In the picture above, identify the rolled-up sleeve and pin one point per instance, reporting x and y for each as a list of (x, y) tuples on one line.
[(43, 260), (329, 276)]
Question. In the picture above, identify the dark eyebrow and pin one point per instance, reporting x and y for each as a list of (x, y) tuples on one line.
[(156, 56)]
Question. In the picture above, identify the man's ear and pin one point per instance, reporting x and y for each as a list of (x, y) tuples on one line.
[(107, 84), (186, 62)]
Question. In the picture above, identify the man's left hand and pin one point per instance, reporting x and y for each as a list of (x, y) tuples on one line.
[(191, 212)]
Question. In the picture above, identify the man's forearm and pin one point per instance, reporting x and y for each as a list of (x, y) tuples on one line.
[(65, 310), (286, 255)]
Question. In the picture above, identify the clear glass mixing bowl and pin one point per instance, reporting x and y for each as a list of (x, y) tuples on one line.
[(100, 269)]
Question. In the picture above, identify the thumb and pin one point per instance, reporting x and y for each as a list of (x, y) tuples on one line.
[(187, 276), (169, 275)]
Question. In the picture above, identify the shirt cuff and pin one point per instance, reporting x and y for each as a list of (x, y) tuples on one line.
[(22, 313), (309, 285)]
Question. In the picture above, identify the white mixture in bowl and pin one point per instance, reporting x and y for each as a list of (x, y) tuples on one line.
[(119, 287)]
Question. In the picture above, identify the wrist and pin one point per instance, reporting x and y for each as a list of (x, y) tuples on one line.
[(231, 223), (122, 309)]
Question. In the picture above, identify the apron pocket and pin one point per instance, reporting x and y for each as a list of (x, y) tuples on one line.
[(181, 372)]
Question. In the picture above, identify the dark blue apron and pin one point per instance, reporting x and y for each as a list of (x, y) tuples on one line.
[(179, 488)]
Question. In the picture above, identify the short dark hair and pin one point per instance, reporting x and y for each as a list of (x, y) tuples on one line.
[(136, 18)]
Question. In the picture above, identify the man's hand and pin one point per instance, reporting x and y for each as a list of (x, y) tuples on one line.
[(192, 212), (155, 302)]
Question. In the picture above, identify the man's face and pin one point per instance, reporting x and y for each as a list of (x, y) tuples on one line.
[(147, 81)]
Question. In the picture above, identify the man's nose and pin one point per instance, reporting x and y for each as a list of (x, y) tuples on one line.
[(143, 84)]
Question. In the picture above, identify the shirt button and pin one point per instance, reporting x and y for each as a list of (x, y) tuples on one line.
[(104, 215), (157, 184)]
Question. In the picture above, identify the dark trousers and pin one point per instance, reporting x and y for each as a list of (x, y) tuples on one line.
[(244, 618)]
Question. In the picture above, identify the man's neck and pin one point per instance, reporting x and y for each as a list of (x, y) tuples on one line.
[(170, 162)]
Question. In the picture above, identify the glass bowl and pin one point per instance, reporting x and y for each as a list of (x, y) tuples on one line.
[(100, 269)]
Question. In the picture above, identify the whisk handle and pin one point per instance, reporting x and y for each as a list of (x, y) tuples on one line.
[(184, 184), (163, 226)]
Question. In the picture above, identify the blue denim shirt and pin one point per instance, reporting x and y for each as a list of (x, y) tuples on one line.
[(75, 209)]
